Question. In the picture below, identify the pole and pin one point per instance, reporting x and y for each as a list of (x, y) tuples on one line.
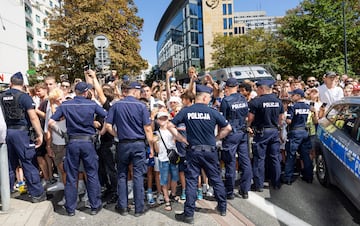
[(4, 178), (345, 41)]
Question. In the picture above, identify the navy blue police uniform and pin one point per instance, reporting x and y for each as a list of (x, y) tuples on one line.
[(79, 114), (200, 121), (235, 109), (298, 140), (266, 144), (130, 116), (19, 144)]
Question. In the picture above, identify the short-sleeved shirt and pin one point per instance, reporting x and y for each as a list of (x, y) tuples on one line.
[(235, 109), (266, 109), (129, 116), (79, 114), (26, 103), (298, 113), (200, 121)]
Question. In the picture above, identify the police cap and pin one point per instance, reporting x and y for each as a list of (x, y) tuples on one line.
[(82, 87), (203, 89), (265, 82), (298, 91), (134, 85), (17, 75), (232, 82), (126, 78)]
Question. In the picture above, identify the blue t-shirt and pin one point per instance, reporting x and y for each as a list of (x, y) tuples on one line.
[(200, 121), (235, 109), (79, 114), (298, 113), (266, 109), (129, 116), (25, 102)]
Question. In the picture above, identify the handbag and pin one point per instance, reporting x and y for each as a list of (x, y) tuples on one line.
[(172, 154)]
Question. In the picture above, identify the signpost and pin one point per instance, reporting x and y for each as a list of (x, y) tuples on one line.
[(101, 43)]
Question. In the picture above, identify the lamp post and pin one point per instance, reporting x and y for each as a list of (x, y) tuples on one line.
[(345, 41)]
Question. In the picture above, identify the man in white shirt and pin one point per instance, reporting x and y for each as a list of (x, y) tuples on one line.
[(330, 92)]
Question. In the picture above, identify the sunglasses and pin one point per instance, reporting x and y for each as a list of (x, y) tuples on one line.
[(65, 86), (173, 90), (311, 80)]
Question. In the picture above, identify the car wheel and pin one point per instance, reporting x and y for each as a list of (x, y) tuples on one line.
[(322, 173)]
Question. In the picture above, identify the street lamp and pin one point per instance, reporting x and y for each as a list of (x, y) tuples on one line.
[(345, 41)]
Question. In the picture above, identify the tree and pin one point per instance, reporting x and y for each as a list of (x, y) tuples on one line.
[(256, 47), (73, 27), (314, 39)]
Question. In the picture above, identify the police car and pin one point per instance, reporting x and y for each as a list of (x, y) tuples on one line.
[(338, 155)]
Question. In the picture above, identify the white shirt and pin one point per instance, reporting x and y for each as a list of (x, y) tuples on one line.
[(169, 141), (329, 96)]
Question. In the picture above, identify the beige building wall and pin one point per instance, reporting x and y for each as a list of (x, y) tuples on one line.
[(213, 24)]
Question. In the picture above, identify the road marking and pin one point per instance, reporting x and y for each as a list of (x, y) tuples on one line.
[(275, 211)]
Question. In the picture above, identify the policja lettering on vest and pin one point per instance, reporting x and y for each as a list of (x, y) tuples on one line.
[(201, 152)]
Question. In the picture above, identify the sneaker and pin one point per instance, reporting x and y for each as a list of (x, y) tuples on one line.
[(160, 199), (205, 188), (62, 201), (199, 194), (58, 186), (183, 195), (81, 187), (210, 192), (130, 195), (36, 199), (149, 197)]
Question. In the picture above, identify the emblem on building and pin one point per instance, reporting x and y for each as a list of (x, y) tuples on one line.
[(212, 3)]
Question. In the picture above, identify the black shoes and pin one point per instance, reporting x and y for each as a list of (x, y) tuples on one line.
[(37, 199), (114, 198), (221, 212), (309, 181), (181, 217), (142, 212), (122, 211), (230, 197), (71, 214), (96, 211), (244, 195)]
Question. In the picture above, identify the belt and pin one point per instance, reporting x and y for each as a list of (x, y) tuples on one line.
[(18, 127), (203, 147), (270, 128), (297, 128), (126, 141), (82, 137)]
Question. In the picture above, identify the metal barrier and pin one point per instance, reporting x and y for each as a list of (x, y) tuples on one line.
[(4, 178)]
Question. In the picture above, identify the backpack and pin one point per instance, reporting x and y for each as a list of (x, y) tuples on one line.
[(11, 107)]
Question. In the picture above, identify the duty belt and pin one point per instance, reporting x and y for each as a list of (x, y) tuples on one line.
[(18, 127), (126, 141), (82, 137), (202, 147), (297, 128)]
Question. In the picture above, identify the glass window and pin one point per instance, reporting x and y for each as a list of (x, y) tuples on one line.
[(194, 52), (37, 17), (229, 9), (193, 9), (46, 47), (39, 44), (40, 57), (193, 24), (38, 31), (224, 9), (230, 23), (45, 34), (225, 23), (194, 38), (51, 4)]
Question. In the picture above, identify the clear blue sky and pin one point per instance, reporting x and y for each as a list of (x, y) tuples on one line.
[(152, 10)]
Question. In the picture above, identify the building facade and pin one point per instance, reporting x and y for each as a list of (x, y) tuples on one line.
[(187, 28), (246, 21)]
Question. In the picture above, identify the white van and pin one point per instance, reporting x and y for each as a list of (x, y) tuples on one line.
[(253, 73)]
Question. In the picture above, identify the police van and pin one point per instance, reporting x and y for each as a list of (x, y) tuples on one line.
[(250, 72), (338, 155)]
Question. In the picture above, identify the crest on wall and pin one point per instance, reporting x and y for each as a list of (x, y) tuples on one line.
[(212, 3)]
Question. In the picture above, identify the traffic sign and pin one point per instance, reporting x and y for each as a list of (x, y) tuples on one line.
[(101, 42)]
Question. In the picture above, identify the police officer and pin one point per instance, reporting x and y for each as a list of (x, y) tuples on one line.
[(235, 109), (200, 121), (20, 115), (133, 126), (298, 138), (79, 114), (266, 112)]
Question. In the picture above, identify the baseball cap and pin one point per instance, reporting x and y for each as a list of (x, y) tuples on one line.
[(126, 78), (203, 89), (265, 82), (162, 114), (134, 85), (83, 87), (231, 82), (298, 91), (160, 102)]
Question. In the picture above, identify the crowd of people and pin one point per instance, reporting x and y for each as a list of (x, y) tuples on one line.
[(98, 140)]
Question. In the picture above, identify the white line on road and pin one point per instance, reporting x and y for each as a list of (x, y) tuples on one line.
[(275, 211)]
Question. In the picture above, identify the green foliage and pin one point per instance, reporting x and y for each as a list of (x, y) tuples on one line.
[(78, 22)]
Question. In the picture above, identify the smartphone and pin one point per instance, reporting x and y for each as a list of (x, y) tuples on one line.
[(86, 67), (324, 105)]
